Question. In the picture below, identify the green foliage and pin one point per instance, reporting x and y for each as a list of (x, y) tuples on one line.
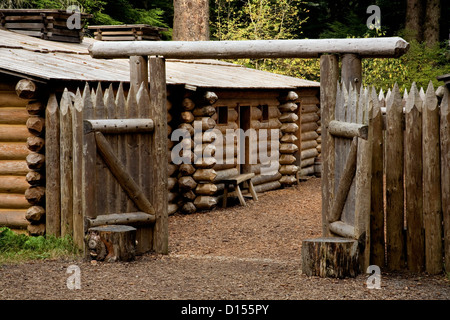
[(263, 20), (421, 64), (19, 247)]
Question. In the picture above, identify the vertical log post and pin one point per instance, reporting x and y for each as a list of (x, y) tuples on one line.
[(445, 175), (158, 112), (66, 164), (132, 149), (102, 171), (89, 204), (121, 110), (431, 184), (53, 173), (394, 181), (145, 233), (329, 74), (363, 182), (377, 193), (77, 143), (413, 182)]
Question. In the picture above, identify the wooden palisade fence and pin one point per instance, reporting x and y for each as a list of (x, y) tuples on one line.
[(399, 156), (417, 171), (111, 167)]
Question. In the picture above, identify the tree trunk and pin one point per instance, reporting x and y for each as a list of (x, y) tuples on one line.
[(191, 20), (431, 23), (414, 19), (112, 243)]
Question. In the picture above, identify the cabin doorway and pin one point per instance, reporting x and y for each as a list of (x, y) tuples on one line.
[(243, 139)]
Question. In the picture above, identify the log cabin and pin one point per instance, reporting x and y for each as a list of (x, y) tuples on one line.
[(218, 95)]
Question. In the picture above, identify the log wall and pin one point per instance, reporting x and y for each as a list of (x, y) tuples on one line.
[(21, 159)]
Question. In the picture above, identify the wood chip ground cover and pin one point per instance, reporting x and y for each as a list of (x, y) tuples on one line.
[(235, 253)]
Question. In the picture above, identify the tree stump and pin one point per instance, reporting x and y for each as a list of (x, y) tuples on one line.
[(330, 257), (111, 243)]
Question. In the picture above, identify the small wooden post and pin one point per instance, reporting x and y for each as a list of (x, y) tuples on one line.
[(394, 181), (53, 173), (431, 184), (351, 71), (329, 74), (138, 71), (158, 112)]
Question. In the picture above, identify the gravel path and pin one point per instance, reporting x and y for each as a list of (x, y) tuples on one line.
[(237, 253)]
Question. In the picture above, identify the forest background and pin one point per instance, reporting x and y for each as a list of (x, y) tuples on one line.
[(424, 23)]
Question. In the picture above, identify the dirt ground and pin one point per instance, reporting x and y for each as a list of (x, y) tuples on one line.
[(238, 253)]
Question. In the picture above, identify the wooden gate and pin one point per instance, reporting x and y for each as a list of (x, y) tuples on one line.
[(350, 153), (112, 163)]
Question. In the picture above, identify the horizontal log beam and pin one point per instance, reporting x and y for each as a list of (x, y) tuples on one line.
[(119, 126), (304, 48), (133, 219), (348, 130)]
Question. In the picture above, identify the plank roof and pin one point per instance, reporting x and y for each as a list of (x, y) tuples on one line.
[(49, 60)]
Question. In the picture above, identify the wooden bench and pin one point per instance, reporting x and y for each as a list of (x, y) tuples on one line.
[(236, 182)]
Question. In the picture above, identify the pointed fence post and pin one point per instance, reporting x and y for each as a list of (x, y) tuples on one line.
[(144, 236), (121, 112), (377, 202), (413, 181), (77, 125), (53, 170), (89, 160), (432, 184), (445, 175), (394, 181), (66, 164)]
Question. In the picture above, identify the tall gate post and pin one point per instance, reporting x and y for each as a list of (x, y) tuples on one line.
[(329, 76), (159, 152)]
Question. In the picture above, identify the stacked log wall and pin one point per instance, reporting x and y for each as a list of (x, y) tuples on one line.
[(290, 144), (204, 151), (310, 133), (21, 157)]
